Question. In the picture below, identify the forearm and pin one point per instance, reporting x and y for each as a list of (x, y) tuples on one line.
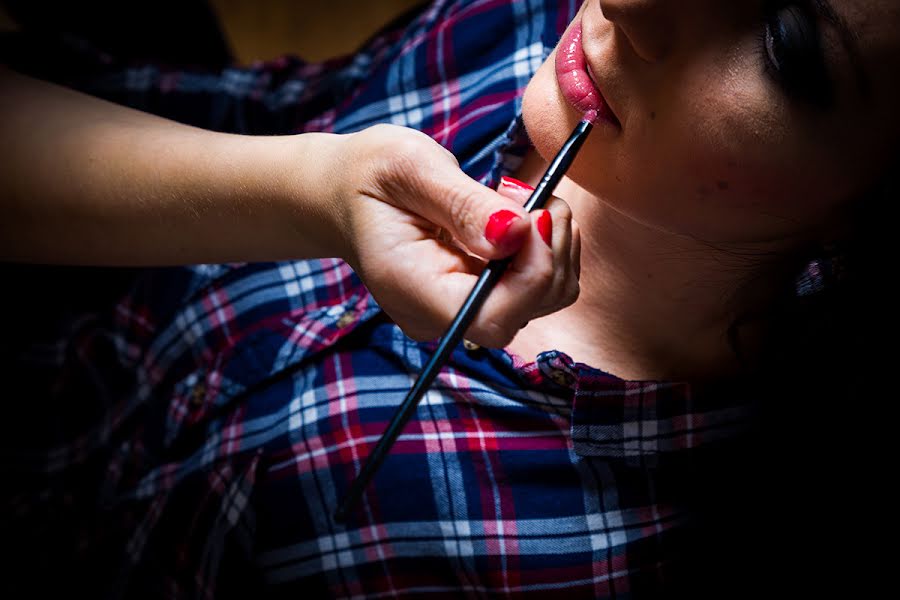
[(84, 181)]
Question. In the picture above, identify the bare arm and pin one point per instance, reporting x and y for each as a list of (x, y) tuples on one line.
[(85, 181)]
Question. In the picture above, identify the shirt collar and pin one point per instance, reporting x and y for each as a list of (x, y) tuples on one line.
[(631, 420), (637, 421)]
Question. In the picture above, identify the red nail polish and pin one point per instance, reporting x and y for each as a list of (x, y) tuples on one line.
[(515, 183), (545, 227), (498, 226)]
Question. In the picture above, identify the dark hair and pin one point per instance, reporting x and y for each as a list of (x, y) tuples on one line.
[(800, 501), (830, 326)]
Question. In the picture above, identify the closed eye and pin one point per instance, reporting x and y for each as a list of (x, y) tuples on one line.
[(792, 53)]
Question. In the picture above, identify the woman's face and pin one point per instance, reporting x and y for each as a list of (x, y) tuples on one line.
[(738, 121)]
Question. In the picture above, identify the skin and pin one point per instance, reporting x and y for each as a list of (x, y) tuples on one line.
[(714, 178), (84, 181)]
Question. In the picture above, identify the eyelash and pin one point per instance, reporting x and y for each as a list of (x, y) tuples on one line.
[(809, 83)]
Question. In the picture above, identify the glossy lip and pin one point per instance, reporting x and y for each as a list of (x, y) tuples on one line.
[(577, 85)]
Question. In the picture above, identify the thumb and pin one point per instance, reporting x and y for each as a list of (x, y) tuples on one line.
[(489, 224)]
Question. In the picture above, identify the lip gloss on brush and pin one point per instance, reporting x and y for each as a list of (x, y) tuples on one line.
[(486, 282)]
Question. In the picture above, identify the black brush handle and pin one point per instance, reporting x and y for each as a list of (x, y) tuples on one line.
[(486, 282)]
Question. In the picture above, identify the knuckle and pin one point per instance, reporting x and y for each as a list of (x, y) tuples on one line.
[(461, 210), (495, 333), (541, 276), (378, 132), (411, 149), (564, 293), (395, 153), (374, 140), (560, 209), (539, 288)]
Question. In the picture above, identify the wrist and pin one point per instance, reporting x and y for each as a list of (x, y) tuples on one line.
[(306, 176), (282, 194)]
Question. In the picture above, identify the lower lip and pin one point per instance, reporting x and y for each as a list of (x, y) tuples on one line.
[(573, 79)]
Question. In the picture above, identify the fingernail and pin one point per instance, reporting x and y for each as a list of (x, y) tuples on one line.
[(511, 182), (545, 227), (498, 226)]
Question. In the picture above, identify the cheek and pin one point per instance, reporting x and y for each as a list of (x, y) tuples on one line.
[(733, 190), (685, 172), (711, 157)]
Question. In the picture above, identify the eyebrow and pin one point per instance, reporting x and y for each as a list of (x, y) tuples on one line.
[(849, 40)]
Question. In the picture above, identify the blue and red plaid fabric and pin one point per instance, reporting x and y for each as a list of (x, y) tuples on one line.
[(201, 429)]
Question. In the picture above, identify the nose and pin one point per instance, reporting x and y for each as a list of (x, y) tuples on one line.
[(648, 25)]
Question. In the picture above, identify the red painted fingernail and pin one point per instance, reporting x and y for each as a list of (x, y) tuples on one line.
[(498, 226), (515, 184), (545, 227)]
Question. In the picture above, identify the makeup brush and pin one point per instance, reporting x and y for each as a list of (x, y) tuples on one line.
[(486, 282)]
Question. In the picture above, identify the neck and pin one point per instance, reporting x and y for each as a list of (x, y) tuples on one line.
[(653, 304)]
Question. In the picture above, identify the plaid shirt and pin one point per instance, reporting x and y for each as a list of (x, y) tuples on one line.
[(234, 404)]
